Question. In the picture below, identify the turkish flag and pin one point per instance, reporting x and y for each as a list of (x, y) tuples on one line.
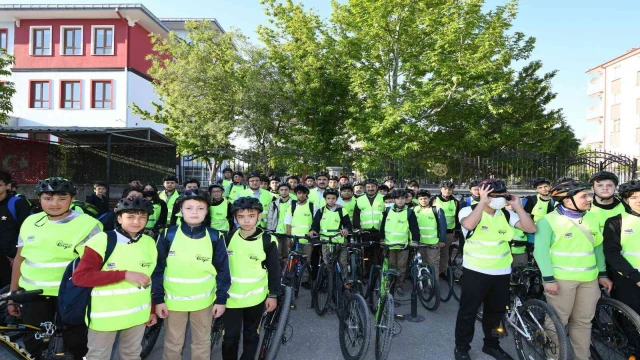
[(24, 159)]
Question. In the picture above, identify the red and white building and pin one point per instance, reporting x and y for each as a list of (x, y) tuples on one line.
[(81, 65)]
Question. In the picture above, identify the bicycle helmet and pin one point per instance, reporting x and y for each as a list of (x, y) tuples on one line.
[(409, 191), (423, 193), (134, 203), (55, 185), (539, 181), (447, 184), (627, 189), (604, 175), (323, 173), (346, 186), (389, 178), (358, 183), (170, 178), (497, 185), (567, 187), (254, 174), (371, 181), (474, 183), (239, 173), (247, 202), (216, 186), (301, 188), (330, 192), (398, 193), (194, 194), (383, 187), (284, 184)]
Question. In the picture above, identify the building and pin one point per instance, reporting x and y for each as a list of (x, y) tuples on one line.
[(81, 65), (615, 90)]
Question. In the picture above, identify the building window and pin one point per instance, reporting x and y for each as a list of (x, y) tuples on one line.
[(40, 40), (102, 94), (71, 40), (40, 137), (40, 95), (616, 126), (4, 39), (70, 95), (102, 40), (616, 86)]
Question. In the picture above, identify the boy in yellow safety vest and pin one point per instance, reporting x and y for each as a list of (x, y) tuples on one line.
[(433, 228), (255, 270), (169, 195), (121, 294), (191, 272)]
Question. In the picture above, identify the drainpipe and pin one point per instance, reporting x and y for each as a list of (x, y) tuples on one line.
[(604, 112), (126, 72)]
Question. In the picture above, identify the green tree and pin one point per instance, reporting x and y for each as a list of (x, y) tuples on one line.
[(198, 83), (6, 89)]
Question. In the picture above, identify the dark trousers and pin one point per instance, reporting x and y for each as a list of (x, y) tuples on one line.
[(43, 310), (371, 253), (490, 290), (246, 320), (5, 271), (625, 290)]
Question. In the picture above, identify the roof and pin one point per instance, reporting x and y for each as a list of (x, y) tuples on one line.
[(178, 23), (96, 135), (138, 12), (629, 53)]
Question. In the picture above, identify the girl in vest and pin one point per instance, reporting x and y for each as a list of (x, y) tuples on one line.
[(191, 272), (48, 241), (568, 250), (158, 220), (433, 228), (622, 247), (255, 271), (121, 295)]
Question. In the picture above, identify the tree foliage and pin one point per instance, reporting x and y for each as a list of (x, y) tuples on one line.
[(6, 89)]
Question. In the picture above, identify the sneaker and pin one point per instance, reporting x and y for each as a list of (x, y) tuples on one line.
[(496, 352), (461, 353), (306, 285)]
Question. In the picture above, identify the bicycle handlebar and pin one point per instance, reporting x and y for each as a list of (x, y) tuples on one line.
[(21, 296)]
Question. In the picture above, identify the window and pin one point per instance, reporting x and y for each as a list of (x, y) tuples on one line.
[(102, 94), (40, 95), (616, 126), (71, 40), (70, 95), (616, 86), (102, 40), (40, 40), (638, 78), (40, 137), (637, 106), (4, 39), (617, 72)]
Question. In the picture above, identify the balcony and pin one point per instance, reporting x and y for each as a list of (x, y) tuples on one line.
[(595, 113), (595, 87)]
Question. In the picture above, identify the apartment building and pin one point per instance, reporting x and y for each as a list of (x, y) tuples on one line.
[(615, 93)]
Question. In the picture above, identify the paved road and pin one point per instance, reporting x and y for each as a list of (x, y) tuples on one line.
[(316, 337)]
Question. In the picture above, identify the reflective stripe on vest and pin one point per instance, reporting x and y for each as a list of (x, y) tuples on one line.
[(153, 218), (190, 297), (396, 228), (370, 214), (572, 253), (630, 239), (47, 265), (449, 208), (488, 247), (119, 313), (249, 281), (518, 235)]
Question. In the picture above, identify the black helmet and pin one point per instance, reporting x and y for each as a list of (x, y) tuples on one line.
[(134, 203), (399, 193), (247, 202), (216, 186), (409, 191), (539, 181), (371, 181), (194, 194), (567, 187), (323, 173), (625, 190), (239, 173), (284, 183), (274, 178), (302, 188), (383, 187), (358, 183), (55, 185), (447, 184), (346, 186), (423, 193), (170, 178), (255, 174), (474, 183), (604, 175), (334, 178), (389, 178), (227, 169), (330, 192), (497, 185)]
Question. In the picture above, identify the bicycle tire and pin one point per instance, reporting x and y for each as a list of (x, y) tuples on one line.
[(621, 339), (428, 288), (373, 288), (384, 327), (542, 338), (357, 318), (151, 334), (323, 290), (273, 333), (446, 292), (456, 271)]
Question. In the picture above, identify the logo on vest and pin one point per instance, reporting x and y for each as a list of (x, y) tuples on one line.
[(568, 235), (253, 257), (484, 228), (203, 258), (229, 253), (145, 264), (63, 245), (31, 239), (628, 231), (502, 232), (593, 233), (111, 266), (172, 253)]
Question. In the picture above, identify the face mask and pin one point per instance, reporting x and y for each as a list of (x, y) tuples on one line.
[(498, 203), (147, 193)]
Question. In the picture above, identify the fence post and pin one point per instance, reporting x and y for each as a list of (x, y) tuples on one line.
[(634, 169)]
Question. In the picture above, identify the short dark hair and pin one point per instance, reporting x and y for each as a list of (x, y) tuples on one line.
[(192, 181), (129, 190), (99, 183), (132, 180), (413, 183), (293, 177), (5, 177)]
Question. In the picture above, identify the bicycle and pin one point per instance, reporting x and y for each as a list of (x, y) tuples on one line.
[(151, 334), (48, 331), (274, 324), (295, 266), (615, 330), (423, 276), (355, 261)]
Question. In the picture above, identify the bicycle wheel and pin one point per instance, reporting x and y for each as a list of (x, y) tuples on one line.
[(355, 329), (428, 289), (373, 288), (446, 286), (384, 327), (274, 326), (456, 263), (546, 338), (615, 332), (323, 290), (150, 338)]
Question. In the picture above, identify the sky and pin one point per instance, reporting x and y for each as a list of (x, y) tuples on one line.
[(572, 36)]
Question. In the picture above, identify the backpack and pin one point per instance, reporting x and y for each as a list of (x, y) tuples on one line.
[(293, 207), (507, 216), (266, 240), (74, 302), (171, 234), (12, 206), (86, 208)]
